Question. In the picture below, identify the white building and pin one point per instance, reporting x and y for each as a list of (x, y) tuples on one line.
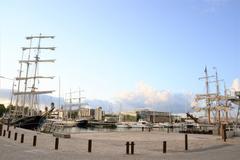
[(98, 115), (84, 112)]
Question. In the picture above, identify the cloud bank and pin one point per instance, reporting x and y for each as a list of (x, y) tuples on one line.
[(145, 96), (142, 97)]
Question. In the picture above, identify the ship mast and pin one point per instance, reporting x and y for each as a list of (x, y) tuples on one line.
[(31, 60), (18, 89), (207, 95), (226, 103), (219, 107), (70, 102), (218, 96), (26, 80), (80, 102), (72, 99)]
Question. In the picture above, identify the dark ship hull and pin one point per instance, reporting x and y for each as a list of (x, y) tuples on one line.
[(82, 123), (31, 122)]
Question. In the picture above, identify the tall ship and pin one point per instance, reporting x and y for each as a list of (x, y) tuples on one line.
[(216, 105), (24, 108)]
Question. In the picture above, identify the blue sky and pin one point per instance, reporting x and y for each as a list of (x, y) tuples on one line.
[(109, 46)]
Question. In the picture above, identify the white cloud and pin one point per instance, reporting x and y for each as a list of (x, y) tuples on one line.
[(145, 96), (236, 84)]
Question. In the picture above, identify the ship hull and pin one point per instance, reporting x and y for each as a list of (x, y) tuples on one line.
[(82, 123), (31, 122)]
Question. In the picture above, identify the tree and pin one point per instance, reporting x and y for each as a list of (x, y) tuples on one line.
[(2, 110)]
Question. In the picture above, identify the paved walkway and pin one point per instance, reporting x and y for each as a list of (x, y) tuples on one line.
[(111, 146)]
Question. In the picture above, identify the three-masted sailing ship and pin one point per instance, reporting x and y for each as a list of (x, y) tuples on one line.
[(24, 107), (217, 106)]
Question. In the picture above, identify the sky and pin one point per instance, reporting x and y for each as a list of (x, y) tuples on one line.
[(140, 53)]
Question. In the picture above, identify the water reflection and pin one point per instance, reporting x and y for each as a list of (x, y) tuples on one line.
[(75, 130)]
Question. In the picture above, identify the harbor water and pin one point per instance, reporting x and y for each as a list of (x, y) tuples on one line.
[(76, 130)]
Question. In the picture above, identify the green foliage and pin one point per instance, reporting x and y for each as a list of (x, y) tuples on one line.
[(130, 118), (2, 110), (139, 117), (10, 108)]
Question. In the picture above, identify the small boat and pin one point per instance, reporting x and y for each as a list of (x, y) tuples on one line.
[(190, 124), (141, 124), (123, 125), (100, 124), (57, 125), (158, 125), (66, 123), (82, 123), (167, 125)]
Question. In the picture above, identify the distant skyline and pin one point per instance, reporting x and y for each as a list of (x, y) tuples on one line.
[(137, 52)]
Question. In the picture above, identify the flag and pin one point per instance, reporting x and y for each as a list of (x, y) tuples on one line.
[(205, 70)]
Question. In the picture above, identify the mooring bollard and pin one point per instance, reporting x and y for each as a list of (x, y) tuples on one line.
[(14, 126), (132, 148), (186, 142), (56, 143), (168, 130), (22, 138), (224, 135), (89, 145), (149, 129), (142, 129), (4, 133), (15, 136), (127, 147), (223, 132), (9, 134), (1, 126), (164, 147), (34, 140)]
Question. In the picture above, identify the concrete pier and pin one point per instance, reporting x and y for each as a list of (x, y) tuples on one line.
[(111, 145)]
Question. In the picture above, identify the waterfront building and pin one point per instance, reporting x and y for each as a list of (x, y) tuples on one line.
[(111, 118), (154, 116), (128, 116), (86, 113), (98, 115)]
